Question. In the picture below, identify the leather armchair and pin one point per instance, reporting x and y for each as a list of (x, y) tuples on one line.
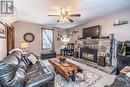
[(120, 81), (15, 73)]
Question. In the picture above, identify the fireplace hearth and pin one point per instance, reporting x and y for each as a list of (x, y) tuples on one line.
[(89, 54)]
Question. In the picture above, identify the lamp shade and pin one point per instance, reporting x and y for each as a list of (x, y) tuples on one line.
[(24, 45)]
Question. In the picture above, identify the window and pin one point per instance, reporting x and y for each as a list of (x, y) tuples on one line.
[(47, 35)]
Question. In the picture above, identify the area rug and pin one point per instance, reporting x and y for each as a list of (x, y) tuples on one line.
[(90, 78)]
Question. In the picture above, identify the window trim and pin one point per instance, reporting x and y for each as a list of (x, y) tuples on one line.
[(42, 38)]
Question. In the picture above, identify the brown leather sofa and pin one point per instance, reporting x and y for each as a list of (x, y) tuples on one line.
[(18, 71)]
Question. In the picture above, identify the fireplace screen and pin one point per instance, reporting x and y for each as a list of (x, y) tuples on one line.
[(88, 56)]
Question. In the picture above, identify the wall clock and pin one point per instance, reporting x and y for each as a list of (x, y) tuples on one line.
[(28, 37)]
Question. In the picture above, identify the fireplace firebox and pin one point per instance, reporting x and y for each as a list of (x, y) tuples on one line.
[(89, 54)]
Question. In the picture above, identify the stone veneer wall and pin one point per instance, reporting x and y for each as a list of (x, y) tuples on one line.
[(102, 45)]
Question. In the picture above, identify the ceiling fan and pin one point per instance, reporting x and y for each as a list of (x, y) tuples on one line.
[(65, 16)]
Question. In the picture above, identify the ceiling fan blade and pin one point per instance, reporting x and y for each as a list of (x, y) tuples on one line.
[(53, 15), (75, 15), (71, 20)]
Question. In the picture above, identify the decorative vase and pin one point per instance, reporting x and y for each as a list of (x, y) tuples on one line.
[(62, 59)]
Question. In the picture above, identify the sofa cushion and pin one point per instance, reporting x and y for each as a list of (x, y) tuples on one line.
[(31, 69), (13, 59), (17, 54), (8, 67), (38, 75), (26, 62), (38, 80), (7, 72), (32, 58), (18, 80)]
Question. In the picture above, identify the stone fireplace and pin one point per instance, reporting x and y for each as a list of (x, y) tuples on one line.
[(99, 51), (89, 54), (101, 47)]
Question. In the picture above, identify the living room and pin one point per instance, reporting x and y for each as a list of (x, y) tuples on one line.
[(64, 43)]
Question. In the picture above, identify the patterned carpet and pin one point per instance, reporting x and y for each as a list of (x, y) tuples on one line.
[(90, 78)]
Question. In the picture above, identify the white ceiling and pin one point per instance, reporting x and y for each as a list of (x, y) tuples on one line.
[(36, 11)]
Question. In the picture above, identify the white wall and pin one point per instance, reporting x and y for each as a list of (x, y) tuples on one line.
[(121, 32), (3, 47), (35, 46)]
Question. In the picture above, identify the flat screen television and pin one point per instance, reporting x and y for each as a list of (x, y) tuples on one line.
[(93, 32)]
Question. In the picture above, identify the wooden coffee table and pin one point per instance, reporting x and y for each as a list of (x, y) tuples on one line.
[(67, 69)]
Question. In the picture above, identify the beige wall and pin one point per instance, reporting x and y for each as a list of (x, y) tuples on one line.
[(3, 46), (58, 44), (121, 32), (35, 46)]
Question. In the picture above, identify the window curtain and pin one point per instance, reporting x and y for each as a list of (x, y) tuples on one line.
[(10, 37), (49, 39)]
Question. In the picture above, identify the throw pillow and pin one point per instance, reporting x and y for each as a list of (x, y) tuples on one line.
[(128, 74), (25, 62), (32, 58)]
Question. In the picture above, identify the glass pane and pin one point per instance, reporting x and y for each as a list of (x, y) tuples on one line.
[(47, 38)]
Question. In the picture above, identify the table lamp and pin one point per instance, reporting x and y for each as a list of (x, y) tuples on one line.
[(24, 46)]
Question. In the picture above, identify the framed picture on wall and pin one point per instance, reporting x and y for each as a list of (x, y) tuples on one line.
[(2, 30)]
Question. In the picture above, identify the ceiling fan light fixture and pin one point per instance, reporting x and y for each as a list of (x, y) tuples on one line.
[(63, 11), (63, 19), (64, 16)]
